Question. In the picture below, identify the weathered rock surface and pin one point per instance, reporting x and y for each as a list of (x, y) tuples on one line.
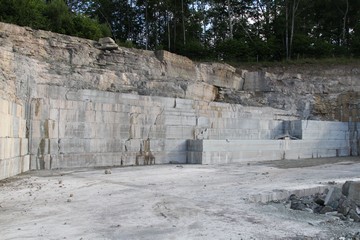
[(351, 190), (333, 197), (69, 102), (107, 43), (30, 57)]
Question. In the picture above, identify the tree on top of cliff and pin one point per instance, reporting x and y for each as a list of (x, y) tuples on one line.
[(51, 15), (231, 30)]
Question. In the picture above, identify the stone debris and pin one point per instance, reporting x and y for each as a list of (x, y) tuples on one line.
[(340, 202), (350, 236)]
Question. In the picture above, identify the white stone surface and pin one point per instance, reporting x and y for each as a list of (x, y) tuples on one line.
[(229, 150), (60, 99), (174, 202), (88, 123), (14, 157)]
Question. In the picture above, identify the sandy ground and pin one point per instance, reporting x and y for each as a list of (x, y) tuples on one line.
[(171, 202)]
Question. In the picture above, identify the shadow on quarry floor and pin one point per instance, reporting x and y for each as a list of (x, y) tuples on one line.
[(311, 162)]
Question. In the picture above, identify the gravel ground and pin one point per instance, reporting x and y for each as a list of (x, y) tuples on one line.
[(173, 202)]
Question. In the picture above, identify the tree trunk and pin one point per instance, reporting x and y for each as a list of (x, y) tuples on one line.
[(175, 22), (183, 20), (287, 29), (168, 27), (146, 26), (344, 23), (294, 9), (130, 21), (231, 27)]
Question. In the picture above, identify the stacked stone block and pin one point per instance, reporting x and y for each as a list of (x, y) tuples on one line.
[(89, 128), (14, 158), (232, 151), (319, 139), (302, 139), (93, 128)]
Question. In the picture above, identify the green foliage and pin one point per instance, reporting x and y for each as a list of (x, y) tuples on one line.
[(195, 50), (302, 46), (23, 13), (322, 49), (51, 15), (355, 41), (59, 17), (355, 47), (247, 30), (233, 50), (261, 50), (88, 28), (127, 44)]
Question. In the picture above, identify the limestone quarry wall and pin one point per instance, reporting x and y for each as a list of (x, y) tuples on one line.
[(302, 139), (14, 155), (29, 57), (72, 102), (87, 128)]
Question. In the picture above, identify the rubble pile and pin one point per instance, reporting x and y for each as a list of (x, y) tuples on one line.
[(340, 202)]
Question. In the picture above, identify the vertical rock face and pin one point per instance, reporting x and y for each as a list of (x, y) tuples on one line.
[(88, 103), (14, 154), (83, 128), (30, 57), (347, 106)]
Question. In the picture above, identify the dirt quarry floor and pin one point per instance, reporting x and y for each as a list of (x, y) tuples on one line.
[(174, 202)]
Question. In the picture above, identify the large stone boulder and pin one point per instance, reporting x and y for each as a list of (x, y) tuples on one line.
[(107, 43), (351, 190), (333, 197)]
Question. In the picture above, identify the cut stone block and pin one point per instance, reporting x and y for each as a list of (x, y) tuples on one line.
[(333, 197), (351, 189)]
